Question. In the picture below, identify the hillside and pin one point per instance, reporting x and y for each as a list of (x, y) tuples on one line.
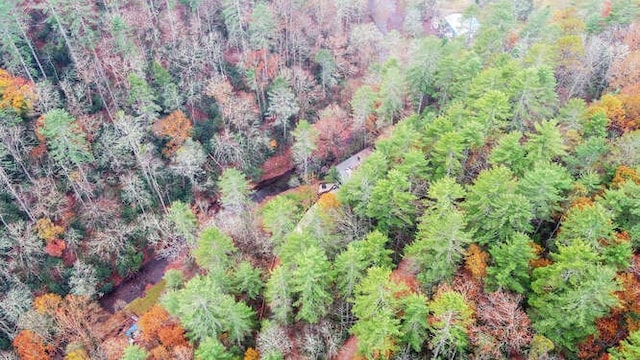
[(347, 179)]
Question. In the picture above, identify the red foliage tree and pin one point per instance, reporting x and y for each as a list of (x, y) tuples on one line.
[(501, 318), (333, 132), (55, 247)]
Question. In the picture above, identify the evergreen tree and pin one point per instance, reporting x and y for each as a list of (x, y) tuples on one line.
[(571, 293), (214, 251), (352, 263), (391, 94), (184, 222), (439, 245), (546, 144), (494, 210), (234, 190), (246, 279), (375, 305), (135, 352), (449, 321), (67, 143), (545, 185), (312, 280), (629, 348), (262, 27), (211, 348), (282, 104), (414, 321), (280, 216), (143, 99), (511, 269), (206, 311), (510, 153), (357, 192), (278, 293), (392, 204)]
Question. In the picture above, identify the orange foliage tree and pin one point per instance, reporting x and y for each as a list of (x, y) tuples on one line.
[(172, 335), (55, 247), (16, 93), (160, 353), (30, 346), (158, 327), (328, 201), (622, 174), (614, 109), (79, 319), (251, 354), (630, 98), (476, 261), (176, 127)]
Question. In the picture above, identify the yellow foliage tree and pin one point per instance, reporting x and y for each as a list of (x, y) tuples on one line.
[(16, 93), (77, 354), (47, 303), (47, 230)]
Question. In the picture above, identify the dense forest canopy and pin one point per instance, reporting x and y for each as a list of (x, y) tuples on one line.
[(160, 160)]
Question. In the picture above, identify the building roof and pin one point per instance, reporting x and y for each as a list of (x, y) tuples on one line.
[(346, 167), (131, 331), (461, 25)]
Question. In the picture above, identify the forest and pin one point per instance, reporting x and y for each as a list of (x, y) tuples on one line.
[(160, 166)]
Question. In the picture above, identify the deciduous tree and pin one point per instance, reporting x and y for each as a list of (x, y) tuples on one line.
[(30, 346), (282, 104), (305, 143), (176, 127)]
